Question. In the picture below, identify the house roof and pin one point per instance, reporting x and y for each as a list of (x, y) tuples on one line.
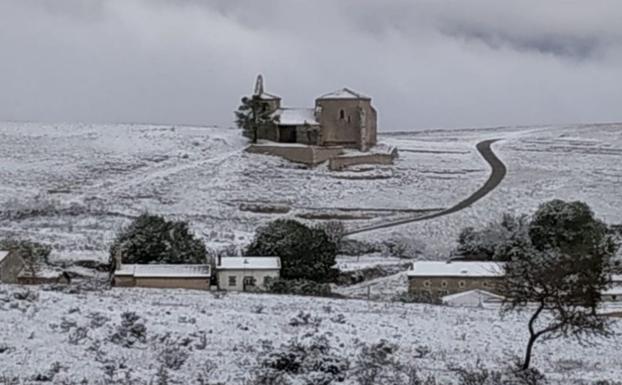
[(456, 269), (296, 116), (344, 93), (254, 263), (165, 270), (3, 254)]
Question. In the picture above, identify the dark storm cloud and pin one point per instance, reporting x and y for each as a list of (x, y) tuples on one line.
[(426, 63)]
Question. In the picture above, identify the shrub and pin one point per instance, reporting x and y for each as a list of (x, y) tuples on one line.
[(305, 252), (486, 243), (407, 297), (153, 239), (310, 361), (173, 357), (376, 364), (130, 331), (305, 319), (298, 287)]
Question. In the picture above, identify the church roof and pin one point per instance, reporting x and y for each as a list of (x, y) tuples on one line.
[(344, 93), (296, 116)]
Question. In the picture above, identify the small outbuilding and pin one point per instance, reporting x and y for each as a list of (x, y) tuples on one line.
[(192, 276), (10, 266), (246, 273), (472, 298), (442, 278)]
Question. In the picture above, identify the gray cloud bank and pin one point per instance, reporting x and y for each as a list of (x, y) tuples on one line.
[(426, 63)]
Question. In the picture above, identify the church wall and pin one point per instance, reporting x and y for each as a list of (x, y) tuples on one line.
[(346, 130)]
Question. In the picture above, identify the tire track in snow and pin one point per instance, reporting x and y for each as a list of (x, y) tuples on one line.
[(497, 174)]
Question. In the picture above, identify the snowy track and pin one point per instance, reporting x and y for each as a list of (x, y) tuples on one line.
[(497, 174)]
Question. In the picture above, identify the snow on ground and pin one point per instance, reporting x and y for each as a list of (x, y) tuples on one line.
[(350, 263), (75, 185), (543, 163), (76, 330)]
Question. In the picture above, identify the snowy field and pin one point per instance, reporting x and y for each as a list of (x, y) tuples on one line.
[(75, 185), (72, 336)]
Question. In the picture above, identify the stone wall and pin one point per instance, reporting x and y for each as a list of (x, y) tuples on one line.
[(440, 286), (357, 126), (341, 162), (310, 155)]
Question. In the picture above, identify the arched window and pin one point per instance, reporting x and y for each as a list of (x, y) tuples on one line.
[(342, 114)]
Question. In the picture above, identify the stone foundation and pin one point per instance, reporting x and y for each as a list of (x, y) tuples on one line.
[(311, 155)]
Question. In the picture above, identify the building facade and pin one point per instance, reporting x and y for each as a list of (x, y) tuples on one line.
[(246, 273), (341, 118), (440, 278), (194, 276)]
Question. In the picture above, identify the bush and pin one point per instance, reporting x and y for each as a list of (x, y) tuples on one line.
[(130, 332), (305, 252), (376, 364), (407, 297), (309, 361), (173, 357), (153, 239), (298, 287), (485, 244), (30, 252)]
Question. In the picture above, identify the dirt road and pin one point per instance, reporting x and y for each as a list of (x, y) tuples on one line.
[(498, 171)]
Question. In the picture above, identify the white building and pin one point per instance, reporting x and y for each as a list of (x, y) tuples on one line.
[(246, 273), (441, 278)]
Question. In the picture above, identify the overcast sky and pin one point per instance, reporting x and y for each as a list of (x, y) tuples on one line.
[(426, 64)]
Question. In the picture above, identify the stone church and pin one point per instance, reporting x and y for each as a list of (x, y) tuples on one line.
[(340, 118)]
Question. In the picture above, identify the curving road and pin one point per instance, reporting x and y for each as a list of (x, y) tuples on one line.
[(498, 171)]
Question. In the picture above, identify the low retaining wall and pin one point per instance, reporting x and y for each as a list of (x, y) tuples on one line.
[(341, 162), (311, 155)]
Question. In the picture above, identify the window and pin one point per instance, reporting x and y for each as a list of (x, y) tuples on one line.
[(249, 281), (427, 283), (443, 283), (485, 284), (462, 284), (232, 280), (342, 114)]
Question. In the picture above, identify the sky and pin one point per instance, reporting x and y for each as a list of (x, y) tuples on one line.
[(425, 63)]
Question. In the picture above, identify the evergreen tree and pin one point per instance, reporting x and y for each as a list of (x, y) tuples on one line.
[(305, 252), (561, 267), (153, 239), (253, 114)]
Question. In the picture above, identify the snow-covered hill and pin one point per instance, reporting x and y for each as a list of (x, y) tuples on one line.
[(75, 185)]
